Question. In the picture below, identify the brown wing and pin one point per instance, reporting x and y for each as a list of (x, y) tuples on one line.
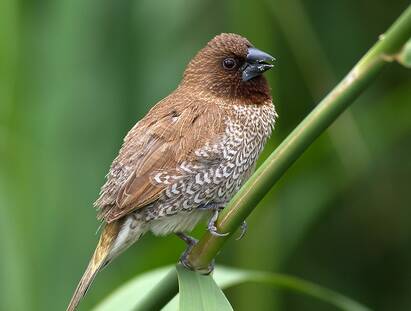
[(167, 136)]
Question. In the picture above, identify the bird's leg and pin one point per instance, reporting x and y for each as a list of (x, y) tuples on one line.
[(190, 241), (243, 229), (211, 223)]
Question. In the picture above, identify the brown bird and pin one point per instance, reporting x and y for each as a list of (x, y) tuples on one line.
[(189, 155)]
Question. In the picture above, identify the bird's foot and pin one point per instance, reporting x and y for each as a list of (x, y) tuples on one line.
[(186, 264), (184, 260), (243, 229), (190, 241), (211, 224), (210, 268)]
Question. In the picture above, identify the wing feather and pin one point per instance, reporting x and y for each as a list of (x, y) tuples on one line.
[(167, 136)]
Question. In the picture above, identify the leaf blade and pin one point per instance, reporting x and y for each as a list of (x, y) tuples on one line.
[(128, 295), (200, 292)]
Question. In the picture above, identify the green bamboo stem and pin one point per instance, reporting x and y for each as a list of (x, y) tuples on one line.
[(301, 138), (294, 146)]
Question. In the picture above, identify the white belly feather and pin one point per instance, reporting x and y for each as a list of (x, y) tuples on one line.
[(180, 222)]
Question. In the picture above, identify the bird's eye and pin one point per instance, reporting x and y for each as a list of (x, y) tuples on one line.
[(229, 63)]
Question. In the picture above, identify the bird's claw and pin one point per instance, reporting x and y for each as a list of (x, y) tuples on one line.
[(243, 228), (213, 230), (191, 242), (211, 225), (207, 271), (184, 261), (210, 268)]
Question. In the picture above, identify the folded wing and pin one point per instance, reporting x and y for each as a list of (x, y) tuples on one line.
[(168, 135)]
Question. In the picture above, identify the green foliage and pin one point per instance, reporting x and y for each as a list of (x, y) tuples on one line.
[(200, 292), (132, 292)]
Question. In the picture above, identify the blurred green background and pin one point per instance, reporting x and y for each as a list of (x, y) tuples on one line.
[(75, 75)]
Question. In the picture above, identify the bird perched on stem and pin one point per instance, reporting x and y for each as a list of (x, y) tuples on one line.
[(189, 155)]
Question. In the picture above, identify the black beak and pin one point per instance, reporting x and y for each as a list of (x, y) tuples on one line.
[(257, 63)]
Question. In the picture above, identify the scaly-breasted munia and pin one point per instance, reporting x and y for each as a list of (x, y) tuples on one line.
[(190, 154)]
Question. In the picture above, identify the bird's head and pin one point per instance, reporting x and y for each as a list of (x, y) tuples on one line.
[(229, 65)]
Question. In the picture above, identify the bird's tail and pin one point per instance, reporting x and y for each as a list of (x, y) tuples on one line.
[(98, 261)]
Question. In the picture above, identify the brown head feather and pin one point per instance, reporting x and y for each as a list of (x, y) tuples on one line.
[(206, 73)]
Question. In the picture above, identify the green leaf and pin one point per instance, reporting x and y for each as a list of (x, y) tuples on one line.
[(200, 292), (127, 296), (131, 293)]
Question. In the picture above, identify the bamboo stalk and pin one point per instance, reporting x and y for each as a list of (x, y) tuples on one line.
[(292, 148)]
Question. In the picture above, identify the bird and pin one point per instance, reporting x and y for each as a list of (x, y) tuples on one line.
[(189, 155)]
